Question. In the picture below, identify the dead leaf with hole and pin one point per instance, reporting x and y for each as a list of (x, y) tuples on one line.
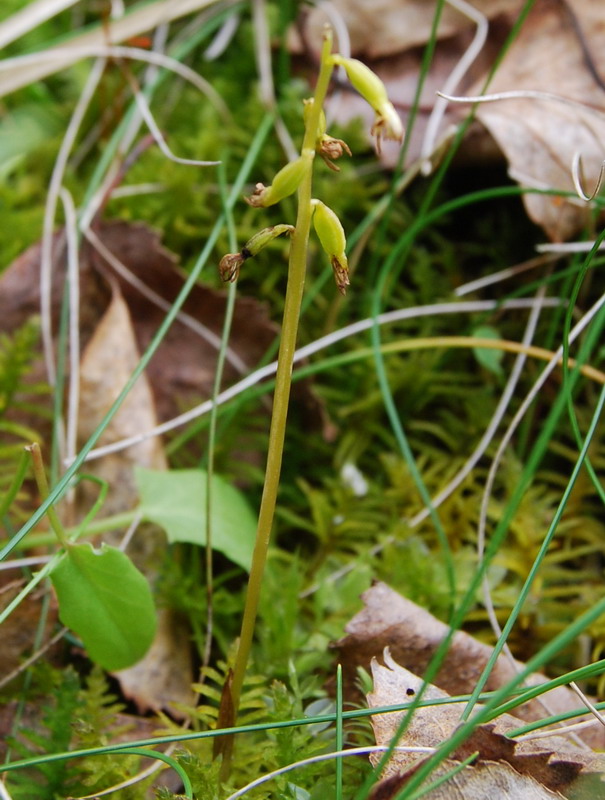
[(528, 770), (413, 635)]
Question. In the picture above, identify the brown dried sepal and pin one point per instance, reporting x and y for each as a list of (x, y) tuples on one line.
[(229, 266), (330, 149), (256, 199), (341, 274)]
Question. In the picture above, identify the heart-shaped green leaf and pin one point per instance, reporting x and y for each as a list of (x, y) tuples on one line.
[(176, 500), (107, 602)]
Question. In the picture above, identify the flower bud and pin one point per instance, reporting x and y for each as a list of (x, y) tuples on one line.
[(285, 183), (332, 237), (230, 264), (387, 122)]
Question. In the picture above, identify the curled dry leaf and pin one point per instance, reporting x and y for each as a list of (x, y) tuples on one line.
[(540, 137), (502, 768), (182, 371), (413, 636)]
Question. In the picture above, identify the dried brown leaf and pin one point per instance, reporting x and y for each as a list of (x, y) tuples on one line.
[(164, 676), (501, 767), (541, 137), (413, 636), (183, 368), (379, 28), (107, 363)]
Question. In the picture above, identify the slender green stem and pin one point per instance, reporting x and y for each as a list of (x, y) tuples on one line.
[(16, 484), (283, 380), (113, 523), (218, 379), (42, 483), (339, 731)]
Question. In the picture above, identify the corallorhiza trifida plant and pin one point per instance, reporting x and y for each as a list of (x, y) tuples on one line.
[(297, 177)]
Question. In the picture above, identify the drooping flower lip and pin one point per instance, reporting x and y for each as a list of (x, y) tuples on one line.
[(387, 124)]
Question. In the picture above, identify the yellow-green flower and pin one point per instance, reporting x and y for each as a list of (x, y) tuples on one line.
[(387, 122), (230, 264), (332, 237), (285, 183)]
